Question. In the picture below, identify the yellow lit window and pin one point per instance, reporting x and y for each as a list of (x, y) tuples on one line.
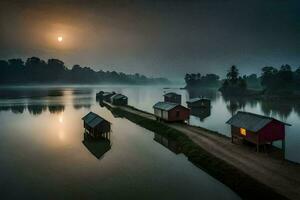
[(243, 131)]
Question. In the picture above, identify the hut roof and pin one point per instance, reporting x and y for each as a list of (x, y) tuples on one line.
[(193, 100), (170, 94), (250, 121), (119, 96), (93, 119), (107, 93), (165, 105)]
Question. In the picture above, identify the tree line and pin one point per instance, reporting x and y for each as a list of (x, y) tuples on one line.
[(197, 80), (35, 70), (271, 80)]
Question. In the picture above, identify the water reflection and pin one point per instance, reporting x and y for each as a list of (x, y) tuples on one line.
[(201, 113), (97, 147), (22, 92), (168, 142), (82, 102), (36, 109), (56, 101), (16, 109), (38, 100), (282, 109), (56, 109)]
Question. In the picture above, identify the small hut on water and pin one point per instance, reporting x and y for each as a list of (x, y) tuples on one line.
[(95, 126), (257, 129), (172, 97), (104, 96), (198, 102), (119, 99), (171, 112)]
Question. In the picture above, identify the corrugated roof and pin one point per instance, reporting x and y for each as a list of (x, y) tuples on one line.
[(193, 100), (170, 94), (165, 105), (89, 116), (250, 121), (118, 96), (108, 94), (94, 122), (92, 119)]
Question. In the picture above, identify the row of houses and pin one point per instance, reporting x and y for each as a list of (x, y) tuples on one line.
[(256, 129), (173, 97), (246, 126), (171, 109), (113, 98)]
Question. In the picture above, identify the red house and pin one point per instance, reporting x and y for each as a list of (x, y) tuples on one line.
[(171, 112), (257, 129)]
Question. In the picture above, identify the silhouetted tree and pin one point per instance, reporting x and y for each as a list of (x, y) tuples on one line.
[(234, 84), (196, 80), (233, 74)]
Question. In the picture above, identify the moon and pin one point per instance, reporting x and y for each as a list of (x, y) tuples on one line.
[(59, 38)]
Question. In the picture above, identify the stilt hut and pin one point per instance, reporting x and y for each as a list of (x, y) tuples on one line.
[(119, 99), (104, 96), (198, 102), (95, 126), (171, 112), (257, 129), (172, 97)]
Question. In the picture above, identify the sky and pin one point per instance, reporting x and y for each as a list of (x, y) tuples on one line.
[(156, 38)]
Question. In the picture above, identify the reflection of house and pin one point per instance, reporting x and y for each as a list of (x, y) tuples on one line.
[(104, 96), (119, 99), (172, 97), (97, 147), (202, 113), (170, 144), (95, 125), (256, 129), (171, 111), (198, 102)]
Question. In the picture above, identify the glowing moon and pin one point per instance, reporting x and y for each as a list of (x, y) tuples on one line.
[(59, 38)]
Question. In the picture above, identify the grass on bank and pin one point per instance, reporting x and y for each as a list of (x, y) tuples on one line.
[(244, 185)]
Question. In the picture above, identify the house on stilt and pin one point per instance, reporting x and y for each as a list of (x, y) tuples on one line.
[(171, 112), (95, 126), (257, 129)]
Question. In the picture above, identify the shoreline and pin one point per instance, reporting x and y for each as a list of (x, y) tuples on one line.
[(224, 161)]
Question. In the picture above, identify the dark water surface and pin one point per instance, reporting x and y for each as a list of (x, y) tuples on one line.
[(44, 154)]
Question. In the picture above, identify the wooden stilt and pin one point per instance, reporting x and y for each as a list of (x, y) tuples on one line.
[(283, 148)]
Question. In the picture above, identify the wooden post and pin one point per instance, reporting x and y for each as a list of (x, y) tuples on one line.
[(257, 143), (283, 148)]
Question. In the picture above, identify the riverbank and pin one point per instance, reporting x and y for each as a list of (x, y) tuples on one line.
[(251, 175)]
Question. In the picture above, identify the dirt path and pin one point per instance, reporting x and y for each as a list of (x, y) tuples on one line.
[(282, 176)]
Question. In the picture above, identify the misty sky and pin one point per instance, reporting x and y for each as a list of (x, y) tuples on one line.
[(156, 38)]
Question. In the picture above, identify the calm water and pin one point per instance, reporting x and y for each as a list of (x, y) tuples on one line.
[(43, 152)]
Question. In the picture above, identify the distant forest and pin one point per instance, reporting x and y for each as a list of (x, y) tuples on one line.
[(54, 71), (283, 81)]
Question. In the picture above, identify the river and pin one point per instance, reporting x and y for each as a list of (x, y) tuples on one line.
[(44, 154)]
